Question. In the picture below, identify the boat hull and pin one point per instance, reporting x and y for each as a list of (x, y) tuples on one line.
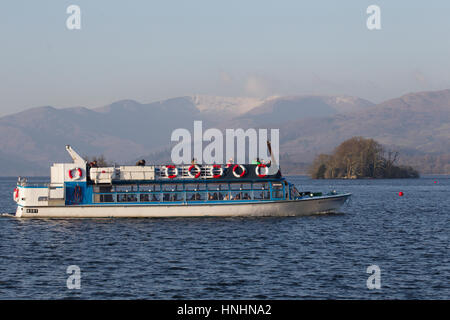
[(306, 206)]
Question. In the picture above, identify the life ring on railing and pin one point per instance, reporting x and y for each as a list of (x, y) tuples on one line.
[(196, 167), (244, 171), (77, 176), (172, 175), (266, 170), (16, 194), (216, 166)]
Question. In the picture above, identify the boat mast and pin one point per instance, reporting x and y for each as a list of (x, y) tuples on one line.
[(77, 159), (273, 163)]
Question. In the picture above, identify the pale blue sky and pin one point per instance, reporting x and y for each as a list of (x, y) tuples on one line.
[(150, 50)]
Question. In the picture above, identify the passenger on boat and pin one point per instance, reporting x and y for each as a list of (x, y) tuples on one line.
[(287, 189), (256, 161), (264, 195), (131, 198), (295, 192), (141, 163)]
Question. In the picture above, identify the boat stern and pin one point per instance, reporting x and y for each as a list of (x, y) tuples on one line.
[(28, 197)]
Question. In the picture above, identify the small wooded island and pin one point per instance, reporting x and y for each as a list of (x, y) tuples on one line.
[(360, 158)]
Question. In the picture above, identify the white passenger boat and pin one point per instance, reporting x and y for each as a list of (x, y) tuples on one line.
[(78, 190)]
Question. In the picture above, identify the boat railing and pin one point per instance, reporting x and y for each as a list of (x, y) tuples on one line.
[(189, 171), (36, 185), (23, 182), (179, 172)]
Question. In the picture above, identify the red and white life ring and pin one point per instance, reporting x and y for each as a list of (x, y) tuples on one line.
[(16, 194), (77, 176), (258, 173), (216, 167), (197, 168), (243, 170), (175, 171)]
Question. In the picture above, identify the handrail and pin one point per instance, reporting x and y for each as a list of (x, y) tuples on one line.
[(26, 184)]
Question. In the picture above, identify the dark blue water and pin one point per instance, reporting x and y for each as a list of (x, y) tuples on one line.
[(315, 257)]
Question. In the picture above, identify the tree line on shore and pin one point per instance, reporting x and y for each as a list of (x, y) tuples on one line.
[(359, 157)]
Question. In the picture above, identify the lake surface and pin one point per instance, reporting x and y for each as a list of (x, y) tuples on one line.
[(317, 257)]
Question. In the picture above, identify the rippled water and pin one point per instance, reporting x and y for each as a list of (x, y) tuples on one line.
[(322, 256)]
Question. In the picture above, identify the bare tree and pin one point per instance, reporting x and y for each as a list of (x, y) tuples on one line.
[(359, 157)]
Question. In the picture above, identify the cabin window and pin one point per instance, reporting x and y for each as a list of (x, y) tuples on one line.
[(235, 186), (149, 188), (246, 186), (236, 195), (127, 197), (217, 186), (277, 190), (247, 195), (225, 195), (42, 198), (173, 187), (106, 198), (241, 195), (240, 186), (195, 196), (173, 196), (213, 196), (149, 197), (103, 189), (103, 198), (126, 188), (195, 186), (260, 186), (261, 194)]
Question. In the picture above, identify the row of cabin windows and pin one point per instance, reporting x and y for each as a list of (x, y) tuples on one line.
[(190, 196), (217, 192), (182, 187)]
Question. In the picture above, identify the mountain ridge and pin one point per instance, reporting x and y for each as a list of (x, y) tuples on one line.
[(309, 124)]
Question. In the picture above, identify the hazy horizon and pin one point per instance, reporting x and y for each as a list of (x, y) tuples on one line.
[(151, 51)]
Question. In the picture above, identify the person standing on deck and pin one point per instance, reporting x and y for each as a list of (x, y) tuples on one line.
[(256, 161)]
